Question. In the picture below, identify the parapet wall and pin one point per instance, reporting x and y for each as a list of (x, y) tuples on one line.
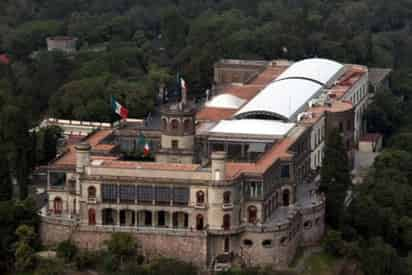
[(188, 247)]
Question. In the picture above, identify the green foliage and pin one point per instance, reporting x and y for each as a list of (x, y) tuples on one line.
[(50, 267), (24, 253), (335, 178), (46, 143), (121, 247), (171, 267), (66, 250)]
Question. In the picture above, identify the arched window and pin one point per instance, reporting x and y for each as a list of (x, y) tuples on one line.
[(227, 245), (307, 225), (267, 243), (164, 123), (226, 197), (286, 197), (175, 124), (91, 193), (252, 214), (187, 124), (226, 222), (200, 197), (92, 216), (57, 206), (199, 222), (247, 242)]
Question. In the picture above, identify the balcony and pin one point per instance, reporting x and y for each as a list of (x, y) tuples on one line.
[(227, 206), (199, 205)]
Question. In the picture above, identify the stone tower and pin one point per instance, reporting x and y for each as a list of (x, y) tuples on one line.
[(178, 131)]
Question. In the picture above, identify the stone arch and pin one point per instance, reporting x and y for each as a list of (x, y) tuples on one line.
[(252, 214), (180, 219), (91, 193), (127, 217), (92, 216), (199, 222), (57, 206)]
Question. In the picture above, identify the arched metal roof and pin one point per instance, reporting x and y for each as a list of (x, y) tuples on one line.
[(227, 101), (316, 69), (281, 99)]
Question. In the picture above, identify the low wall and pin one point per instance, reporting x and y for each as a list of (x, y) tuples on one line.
[(186, 246)]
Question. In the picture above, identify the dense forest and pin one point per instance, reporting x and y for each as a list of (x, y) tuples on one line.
[(128, 48)]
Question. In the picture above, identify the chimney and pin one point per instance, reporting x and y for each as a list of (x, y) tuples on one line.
[(82, 156), (218, 165)]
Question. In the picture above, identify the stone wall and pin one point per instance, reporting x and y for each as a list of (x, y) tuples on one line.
[(186, 246)]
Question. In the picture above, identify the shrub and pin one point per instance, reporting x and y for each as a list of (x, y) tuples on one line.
[(66, 250)]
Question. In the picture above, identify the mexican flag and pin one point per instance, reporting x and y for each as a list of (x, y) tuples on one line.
[(142, 142), (119, 109)]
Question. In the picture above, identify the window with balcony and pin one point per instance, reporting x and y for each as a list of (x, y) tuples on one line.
[(91, 193), (200, 197)]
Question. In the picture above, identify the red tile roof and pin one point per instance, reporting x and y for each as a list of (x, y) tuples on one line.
[(214, 114)]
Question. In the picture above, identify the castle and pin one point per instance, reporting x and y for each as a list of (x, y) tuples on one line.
[(235, 179)]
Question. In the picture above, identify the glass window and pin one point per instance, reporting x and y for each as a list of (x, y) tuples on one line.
[(226, 197), (284, 171), (127, 193), (181, 195), (109, 193)]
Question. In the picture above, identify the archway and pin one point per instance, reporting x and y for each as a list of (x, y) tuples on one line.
[(109, 216), (199, 222), (226, 222), (286, 197)]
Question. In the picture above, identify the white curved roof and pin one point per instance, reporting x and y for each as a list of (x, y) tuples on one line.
[(317, 69), (226, 101), (253, 127), (281, 99)]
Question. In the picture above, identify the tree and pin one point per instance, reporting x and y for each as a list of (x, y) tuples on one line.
[(24, 254), (6, 186), (335, 178), (121, 247), (66, 250)]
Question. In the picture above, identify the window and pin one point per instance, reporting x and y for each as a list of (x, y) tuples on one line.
[(175, 144), (127, 193), (163, 195), (200, 197), (108, 216), (252, 214), (164, 123), (227, 245), (340, 127), (187, 125), (226, 222), (247, 242), (226, 197), (181, 195), (146, 194), (199, 222), (109, 192), (267, 243), (161, 218), (284, 171), (57, 206), (91, 193), (92, 216), (175, 124), (307, 225)]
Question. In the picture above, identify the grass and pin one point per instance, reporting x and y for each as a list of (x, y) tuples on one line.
[(321, 264)]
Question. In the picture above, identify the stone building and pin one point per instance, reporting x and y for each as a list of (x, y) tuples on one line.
[(66, 44), (233, 181)]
